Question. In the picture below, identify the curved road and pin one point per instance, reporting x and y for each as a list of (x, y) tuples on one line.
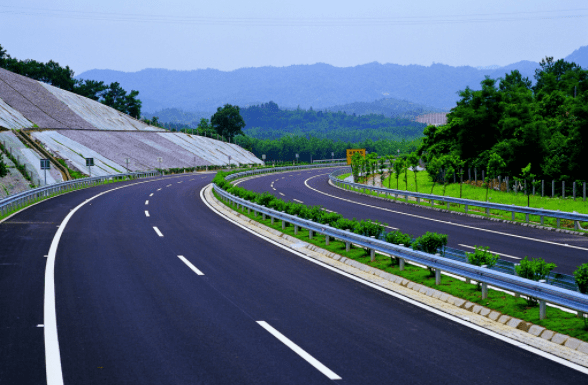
[(513, 242), (130, 310)]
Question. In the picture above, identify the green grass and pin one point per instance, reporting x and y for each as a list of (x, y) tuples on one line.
[(343, 176), (473, 192), (72, 173), (557, 320)]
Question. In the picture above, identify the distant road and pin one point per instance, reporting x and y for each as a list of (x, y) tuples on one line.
[(513, 242), (152, 287)]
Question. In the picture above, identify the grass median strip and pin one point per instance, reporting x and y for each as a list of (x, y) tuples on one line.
[(557, 320)]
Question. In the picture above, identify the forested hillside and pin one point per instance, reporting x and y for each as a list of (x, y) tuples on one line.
[(388, 107), (510, 123), (268, 121)]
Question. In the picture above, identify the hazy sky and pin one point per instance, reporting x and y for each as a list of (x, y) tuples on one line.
[(229, 34)]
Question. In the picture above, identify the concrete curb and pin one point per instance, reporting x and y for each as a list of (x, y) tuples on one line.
[(560, 345), (565, 231)]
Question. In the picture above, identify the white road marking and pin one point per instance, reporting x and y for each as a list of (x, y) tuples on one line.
[(390, 227), (147, 213), (282, 194), (440, 221), (146, 202), (273, 189), (194, 269), (298, 350), (158, 189), (168, 185), (494, 252), (157, 231), (327, 210), (180, 182), (151, 194), (431, 309), (296, 200), (53, 369), (191, 179), (40, 326), (45, 256)]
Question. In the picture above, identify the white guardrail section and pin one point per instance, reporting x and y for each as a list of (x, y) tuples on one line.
[(19, 200), (543, 292), (466, 202)]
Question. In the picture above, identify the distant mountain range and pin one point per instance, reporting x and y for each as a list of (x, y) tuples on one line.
[(320, 85)]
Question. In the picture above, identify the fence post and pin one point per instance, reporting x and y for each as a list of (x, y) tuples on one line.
[(507, 184), (563, 189), (469, 173), (574, 190), (533, 187), (475, 175), (552, 188), (542, 188), (347, 243), (483, 178), (584, 191)]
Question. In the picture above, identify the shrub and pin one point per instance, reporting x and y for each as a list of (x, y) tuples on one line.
[(581, 277), (536, 269), (481, 256), (430, 242), (345, 224), (399, 238), (330, 218), (369, 228), (3, 167), (264, 199)]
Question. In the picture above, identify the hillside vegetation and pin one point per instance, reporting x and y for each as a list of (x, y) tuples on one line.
[(510, 124), (268, 121)]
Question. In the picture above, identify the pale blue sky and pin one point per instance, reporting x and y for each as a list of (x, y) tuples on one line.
[(229, 34)]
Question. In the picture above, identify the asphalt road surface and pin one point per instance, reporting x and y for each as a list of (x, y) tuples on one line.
[(168, 292), (513, 242)]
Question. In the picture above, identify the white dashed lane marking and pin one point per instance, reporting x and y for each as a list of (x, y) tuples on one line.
[(296, 200), (147, 213), (282, 194), (157, 231), (194, 269), (146, 202), (151, 194)]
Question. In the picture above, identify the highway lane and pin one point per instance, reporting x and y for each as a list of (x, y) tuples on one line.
[(509, 240), (129, 310)]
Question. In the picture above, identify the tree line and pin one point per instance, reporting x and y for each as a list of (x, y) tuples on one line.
[(511, 127), (112, 95), (268, 121)]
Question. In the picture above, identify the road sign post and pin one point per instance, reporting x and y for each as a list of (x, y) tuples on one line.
[(89, 164), (127, 160), (45, 165)]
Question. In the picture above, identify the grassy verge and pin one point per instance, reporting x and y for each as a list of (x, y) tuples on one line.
[(478, 193), (557, 320), (343, 176)]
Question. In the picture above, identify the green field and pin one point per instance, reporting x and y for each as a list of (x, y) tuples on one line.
[(470, 191)]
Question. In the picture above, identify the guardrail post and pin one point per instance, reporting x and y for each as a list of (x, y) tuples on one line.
[(447, 205), (272, 218), (310, 233), (466, 209), (527, 218), (284, 224), (263, 216), (512, 215), (558, 222), (542, 309), (488, 211), (437, 277), (372, 252), (347, 243), (542, 220), (326, 240)]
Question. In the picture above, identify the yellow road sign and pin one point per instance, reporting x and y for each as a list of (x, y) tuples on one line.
[(351, 152)]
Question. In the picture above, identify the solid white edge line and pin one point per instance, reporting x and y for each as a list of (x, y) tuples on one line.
[(298, 350), (52, 353), (440, 221), (146, 202), (194, 269), (147, 213), (421, 305), (490, 251), (157, 231)]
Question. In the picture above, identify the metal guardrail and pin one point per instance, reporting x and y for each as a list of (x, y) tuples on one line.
[(466, 202), (543, 292), (16, 201)]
